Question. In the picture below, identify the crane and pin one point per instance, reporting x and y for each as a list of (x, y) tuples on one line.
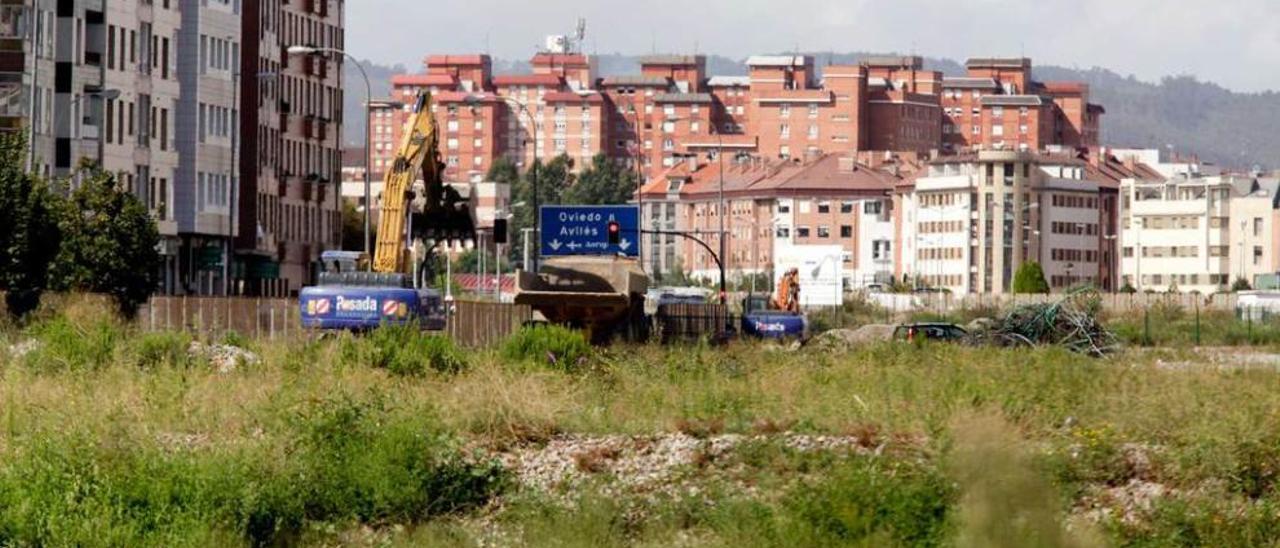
[(347, 297)]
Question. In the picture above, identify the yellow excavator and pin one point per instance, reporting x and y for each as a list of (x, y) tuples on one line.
[(351, 298)]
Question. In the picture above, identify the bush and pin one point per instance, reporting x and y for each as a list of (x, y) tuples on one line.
[(66, 345), (162, 349), (1030, 279), (405, 350), (551, 345), (340, 461)]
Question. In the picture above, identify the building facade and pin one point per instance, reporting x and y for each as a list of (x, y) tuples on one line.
[(290, 159), (971, 221)]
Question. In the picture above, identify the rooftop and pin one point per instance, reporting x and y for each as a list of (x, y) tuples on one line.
[(560, 59), (686, 98), (729, 81), (998, 62), (895, 61), (673, 60), (778, 60), (456, 60), (571, 97), (1012, 100), (969, 83), (636, 81), (423, 80), (527, 80)]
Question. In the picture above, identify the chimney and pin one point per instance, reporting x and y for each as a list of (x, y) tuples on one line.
[(847, 164)]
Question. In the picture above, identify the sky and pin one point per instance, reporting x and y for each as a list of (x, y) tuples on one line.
[(1233, 43)]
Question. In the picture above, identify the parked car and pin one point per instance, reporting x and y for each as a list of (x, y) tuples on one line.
[(942, 332)]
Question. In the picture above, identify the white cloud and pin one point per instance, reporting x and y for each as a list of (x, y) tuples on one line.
[(1231, 42)]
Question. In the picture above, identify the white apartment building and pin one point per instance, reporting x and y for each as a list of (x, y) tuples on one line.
[(971, 221), (1198, 233)]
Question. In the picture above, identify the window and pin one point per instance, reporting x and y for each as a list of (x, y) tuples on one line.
[(452, 126), (846, 207), (846, 231), (824, 207), (824, 232), (813, 110), (784, 111), (785, 131), (997, 131), (873, 208), (977, 130), (813, 132), (802, 232), (784, 232), (784, 207)]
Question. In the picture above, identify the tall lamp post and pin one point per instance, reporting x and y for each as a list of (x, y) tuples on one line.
[(368, 129)]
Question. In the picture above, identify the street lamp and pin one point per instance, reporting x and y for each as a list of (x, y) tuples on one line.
[(368, 126)]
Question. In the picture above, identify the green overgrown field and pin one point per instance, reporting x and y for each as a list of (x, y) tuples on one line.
[(110, 437)]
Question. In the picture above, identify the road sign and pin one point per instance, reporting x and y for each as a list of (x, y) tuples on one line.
[(584, 230)]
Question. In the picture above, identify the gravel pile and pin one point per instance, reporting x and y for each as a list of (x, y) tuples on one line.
[(225, 358), (642, 462), (20, 349), (843, 339)]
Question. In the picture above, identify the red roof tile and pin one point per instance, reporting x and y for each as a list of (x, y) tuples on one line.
[(559, 59), (571, 97), (527, 80), (423, 80), (1065, 87), (456, 60)]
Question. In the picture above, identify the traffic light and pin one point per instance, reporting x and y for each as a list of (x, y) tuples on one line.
[(615, 233), (499, 231)]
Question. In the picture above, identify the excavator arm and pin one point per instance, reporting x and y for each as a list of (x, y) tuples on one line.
[(445, 216)]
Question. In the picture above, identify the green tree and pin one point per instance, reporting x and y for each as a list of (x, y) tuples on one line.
[(1030, 279), (353, 228), (31, 236), (109, 244), (1240, 284), (554, 178), (604, 182), (503, 171)]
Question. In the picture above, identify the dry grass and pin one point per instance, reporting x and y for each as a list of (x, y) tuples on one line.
[(1053, 423)]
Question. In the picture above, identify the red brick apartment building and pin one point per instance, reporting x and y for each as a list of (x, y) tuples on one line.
[(998, 105), (785, 108)]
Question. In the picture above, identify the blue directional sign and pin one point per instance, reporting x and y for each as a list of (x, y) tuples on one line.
[(584, 230)]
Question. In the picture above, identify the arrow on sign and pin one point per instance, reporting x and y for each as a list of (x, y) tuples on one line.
[(624, 244), (555, 245), (573, 246)]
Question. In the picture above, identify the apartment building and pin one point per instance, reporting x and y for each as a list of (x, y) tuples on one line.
[(290, 156), (1198, 232), (831, 200), (970, 221), (998, 105), (207, 124)]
